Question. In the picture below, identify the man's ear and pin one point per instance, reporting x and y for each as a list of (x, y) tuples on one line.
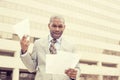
[(64, 26), (49, 25)]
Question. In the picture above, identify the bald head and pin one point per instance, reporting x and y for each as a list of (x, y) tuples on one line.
[(56, 26), (57, 17)]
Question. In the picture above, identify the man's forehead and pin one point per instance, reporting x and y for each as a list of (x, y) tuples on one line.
[(57, 20), (57, 23)]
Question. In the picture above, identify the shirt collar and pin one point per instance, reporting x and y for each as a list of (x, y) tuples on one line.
[(50, 38)]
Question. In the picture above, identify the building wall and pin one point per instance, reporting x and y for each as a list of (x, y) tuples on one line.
[(92, 25)]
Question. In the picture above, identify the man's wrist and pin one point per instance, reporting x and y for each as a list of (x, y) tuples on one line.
[(72, 79), (23, 51)]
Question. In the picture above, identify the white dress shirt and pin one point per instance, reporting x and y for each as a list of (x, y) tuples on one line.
[(57, 44)]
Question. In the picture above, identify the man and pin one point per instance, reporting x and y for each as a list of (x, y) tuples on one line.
[(35, 62)]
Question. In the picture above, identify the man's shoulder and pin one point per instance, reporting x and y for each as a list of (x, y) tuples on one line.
[(68, 44), (41, 40), (67, 41)]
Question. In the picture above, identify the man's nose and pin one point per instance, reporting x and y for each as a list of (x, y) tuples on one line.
[(57, 28)]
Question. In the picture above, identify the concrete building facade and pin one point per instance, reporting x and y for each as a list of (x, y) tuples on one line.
[(92, 25)]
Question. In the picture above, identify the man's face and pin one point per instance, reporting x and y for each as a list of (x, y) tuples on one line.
[(56, 28)]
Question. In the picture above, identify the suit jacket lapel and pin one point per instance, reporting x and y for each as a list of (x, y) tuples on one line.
[(46, 46), (63, 47)]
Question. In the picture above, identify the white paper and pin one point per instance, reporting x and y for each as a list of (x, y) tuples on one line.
[(58, 63), (22, 28)]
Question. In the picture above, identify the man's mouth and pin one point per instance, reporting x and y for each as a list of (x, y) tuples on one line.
[(56, 34)]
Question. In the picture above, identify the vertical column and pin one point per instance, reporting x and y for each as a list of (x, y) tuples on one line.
[(15, 75), (118, 66), (17, 53), (100, 77), (118, 77), (99, 64)]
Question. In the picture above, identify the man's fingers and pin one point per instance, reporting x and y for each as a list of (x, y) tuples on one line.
[(25, 37), (24, 43), (71, 73), (73, 76)]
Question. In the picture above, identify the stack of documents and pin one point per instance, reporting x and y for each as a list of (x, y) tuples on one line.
[(58, 63), (22, 28)]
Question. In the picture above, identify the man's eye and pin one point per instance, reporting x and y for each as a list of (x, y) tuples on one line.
[(54, 26), (60, 26)]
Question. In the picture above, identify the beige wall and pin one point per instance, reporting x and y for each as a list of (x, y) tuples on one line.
[(92, 25)]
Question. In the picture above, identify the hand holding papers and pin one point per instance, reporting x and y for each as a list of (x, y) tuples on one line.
[(22, 28), (58, 63)]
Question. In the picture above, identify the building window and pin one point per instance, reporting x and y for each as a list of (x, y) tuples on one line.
[(5, 74), (10, 36), (6, 35), (110, 78), (109, 65), (15, 37), (32, 39), (88, 62), (6, 53), (25, 75), (111, 52), (88, 77)]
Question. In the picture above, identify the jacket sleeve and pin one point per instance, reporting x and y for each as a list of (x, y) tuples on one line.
[(76, 51), (30, 60), (78, 71)]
